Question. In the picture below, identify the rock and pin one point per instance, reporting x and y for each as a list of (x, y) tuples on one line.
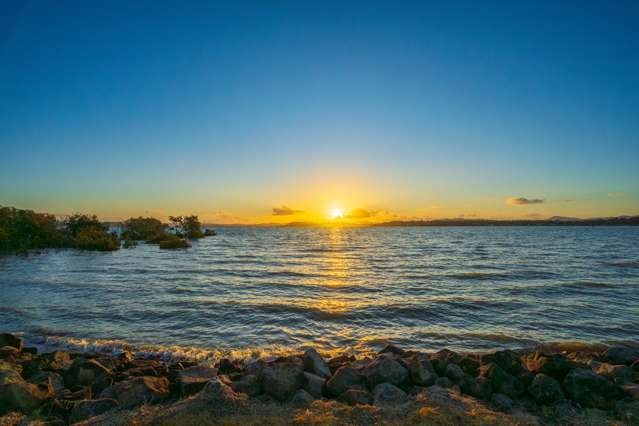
[(387, 393), (314, 363), (616, 373), (478, 388), (7, 339), (421, 371), (632, 390), (384, 369), (444, 382), (218, 393), (60, 360), (621, 355), (248, 384), (354, 396), (554, 366), (344, 378), (283, 378), (30, 350), (590, 389), (545, 389), (193, 379), (227, 366), (339, 361), (302, 399), (501, 381), (52, 382), (628, 411), (392, 349), (469, 365), (140, 390), (454, 372), (9, 352), (635, 366), (502, 402), (18, 395), (314, 384), (88, 372), (563, 409), (91, 407), (442, 358), (507, 360)]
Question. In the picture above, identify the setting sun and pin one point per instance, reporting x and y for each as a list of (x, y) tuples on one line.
[(336, 213)]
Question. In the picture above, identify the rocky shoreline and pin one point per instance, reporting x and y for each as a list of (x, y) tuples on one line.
[(533, 386)]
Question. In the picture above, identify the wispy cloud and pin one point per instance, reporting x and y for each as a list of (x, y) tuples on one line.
[(360, 213), (285, 211), (522, 201)]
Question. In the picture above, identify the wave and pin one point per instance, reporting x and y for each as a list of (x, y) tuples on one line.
[(623, 263)]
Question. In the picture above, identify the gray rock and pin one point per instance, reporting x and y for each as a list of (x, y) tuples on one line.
[(421, 371), (502, 402), (87, 408), (140, 390), (590, 389), (18, 395), (314, 363), (469, 365), (387, 393), (302, 399), (88, 372), (554, 366), (60, 360), (248, 384), (632, 390), (444, 382), (392, 349), (7, 339), (454, 372), (478, 388), (545, 389), (501, 381), (616, 373), (621, 355), (628, 411), (217, 393), (193, 379), (344, 378), (52, 382), (355, 396), (283, 378), (314, 384), (384, 369)]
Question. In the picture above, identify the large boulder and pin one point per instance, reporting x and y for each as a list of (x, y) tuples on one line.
[(507, 360), (301, 398), (590, 389), (554, 365), (16, 394), (421, 370), (314, 363), (478, 388), (193, 379), (344, 378), (616, 373), (387, 394), (51, 382), (88, 372), (218, 393), (621, 355), (442, 358), (283, 378), (501, 381), (545, 389), (454, 372), (384, 369), (248, 384), (60, 360), (87, 408), (7, 339), (314, 384), (140, 390)]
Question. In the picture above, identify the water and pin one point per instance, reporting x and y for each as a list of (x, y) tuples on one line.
[(251, 289)]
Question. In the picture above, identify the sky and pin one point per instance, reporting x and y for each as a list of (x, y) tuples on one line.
[(281, 111)]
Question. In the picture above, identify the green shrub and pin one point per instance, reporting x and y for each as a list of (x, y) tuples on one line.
[(174, 242), (143, 228), (96, 239)]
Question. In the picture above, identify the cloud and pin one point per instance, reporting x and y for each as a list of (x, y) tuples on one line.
[(285, 211), (360, 213), (522, 201)]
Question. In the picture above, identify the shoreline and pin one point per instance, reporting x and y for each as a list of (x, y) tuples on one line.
[(560, 382)]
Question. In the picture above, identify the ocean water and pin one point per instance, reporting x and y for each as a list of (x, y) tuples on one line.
[(252, 290)]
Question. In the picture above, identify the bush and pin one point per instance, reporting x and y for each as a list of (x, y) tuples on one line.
[(143, 228), (25, 230), (96, 239), (187, 226), (174, 242)]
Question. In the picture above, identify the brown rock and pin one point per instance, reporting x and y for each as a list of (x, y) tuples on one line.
[(140, 390), (283, 378), (314, 384), (344, 378), (355, 396), (314, 363), (87, 408), (421, 371), (193, 379), (7, 339), (384, 369), (248, 384)]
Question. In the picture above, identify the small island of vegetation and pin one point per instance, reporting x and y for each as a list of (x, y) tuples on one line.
[(22, 230)]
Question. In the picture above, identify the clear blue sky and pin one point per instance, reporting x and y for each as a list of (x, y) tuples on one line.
[(420, 109)]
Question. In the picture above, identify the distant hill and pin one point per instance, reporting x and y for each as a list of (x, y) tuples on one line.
[(553, 221)]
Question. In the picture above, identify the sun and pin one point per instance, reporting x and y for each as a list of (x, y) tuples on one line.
[(336, 213)]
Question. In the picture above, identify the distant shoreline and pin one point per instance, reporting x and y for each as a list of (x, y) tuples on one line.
[(557, 221)]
